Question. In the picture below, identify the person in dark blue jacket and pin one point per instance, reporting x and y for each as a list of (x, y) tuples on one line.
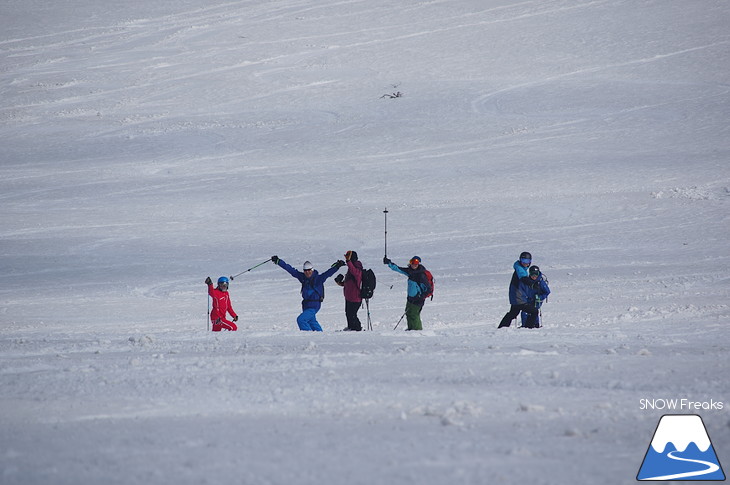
[(521, 266), (312, 291), (531, 293)]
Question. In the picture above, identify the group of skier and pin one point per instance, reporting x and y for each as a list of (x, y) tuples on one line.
[(527, 291)]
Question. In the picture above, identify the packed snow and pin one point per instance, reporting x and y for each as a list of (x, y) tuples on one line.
[(148, 145)]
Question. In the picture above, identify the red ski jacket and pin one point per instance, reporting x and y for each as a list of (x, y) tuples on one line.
[(221, 305), (353, 281)]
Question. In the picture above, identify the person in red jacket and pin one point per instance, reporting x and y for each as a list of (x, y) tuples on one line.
[(221, 305), (351, 283)]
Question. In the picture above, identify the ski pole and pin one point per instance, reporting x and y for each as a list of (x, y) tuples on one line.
[(207, 319), (386, 232), (401, 318), (249, 269), (370, 322)]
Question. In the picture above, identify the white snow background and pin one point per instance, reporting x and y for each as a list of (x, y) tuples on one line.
[(147, 145)]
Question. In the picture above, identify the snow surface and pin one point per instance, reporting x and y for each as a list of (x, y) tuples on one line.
[(147, 145)]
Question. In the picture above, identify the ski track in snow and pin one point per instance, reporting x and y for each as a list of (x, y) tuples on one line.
[(477, 103)]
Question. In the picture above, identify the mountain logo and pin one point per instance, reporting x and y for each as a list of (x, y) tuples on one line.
[(681, 450)]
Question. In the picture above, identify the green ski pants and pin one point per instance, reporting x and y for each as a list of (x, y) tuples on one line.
[(413, 316)]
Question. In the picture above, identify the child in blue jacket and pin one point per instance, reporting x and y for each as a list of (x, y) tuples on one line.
[(312, 291), (531, 293)]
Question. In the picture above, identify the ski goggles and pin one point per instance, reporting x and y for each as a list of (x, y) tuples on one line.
[(525, 261), (415, 261), (223, 285)]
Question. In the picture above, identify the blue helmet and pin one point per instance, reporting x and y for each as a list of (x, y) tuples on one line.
[(222, 279)]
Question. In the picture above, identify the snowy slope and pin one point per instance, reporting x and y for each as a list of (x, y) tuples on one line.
[(147, 145)]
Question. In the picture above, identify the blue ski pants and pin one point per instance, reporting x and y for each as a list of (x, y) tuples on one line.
[(307, 321)]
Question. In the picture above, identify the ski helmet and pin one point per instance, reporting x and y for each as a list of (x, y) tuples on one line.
[(353, 256), (534, 271), (526, 255), (222, 280), (307, 265), (415, 258)]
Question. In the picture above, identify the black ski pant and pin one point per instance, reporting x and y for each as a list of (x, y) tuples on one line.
[(351, 309), (514, 312)]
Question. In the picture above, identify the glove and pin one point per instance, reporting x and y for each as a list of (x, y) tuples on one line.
[(386, 260), (208, 281), (338, 264), (347, 255), (235, 319), (538, 301), (339, 279), (275, 259)]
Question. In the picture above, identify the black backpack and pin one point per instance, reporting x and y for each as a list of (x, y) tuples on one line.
[(368, 284)]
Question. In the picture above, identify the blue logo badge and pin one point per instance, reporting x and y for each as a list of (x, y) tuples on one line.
[(681, 450)]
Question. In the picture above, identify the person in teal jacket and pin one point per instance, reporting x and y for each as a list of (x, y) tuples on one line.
[(418, 288), (521, 267), (312, 291)]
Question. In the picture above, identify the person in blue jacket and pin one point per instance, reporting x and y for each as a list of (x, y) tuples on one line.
[(418, 288), (531, 292), (521, 267), (312, 291)]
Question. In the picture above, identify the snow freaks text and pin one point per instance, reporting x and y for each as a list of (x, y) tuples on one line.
[(680, 405)]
